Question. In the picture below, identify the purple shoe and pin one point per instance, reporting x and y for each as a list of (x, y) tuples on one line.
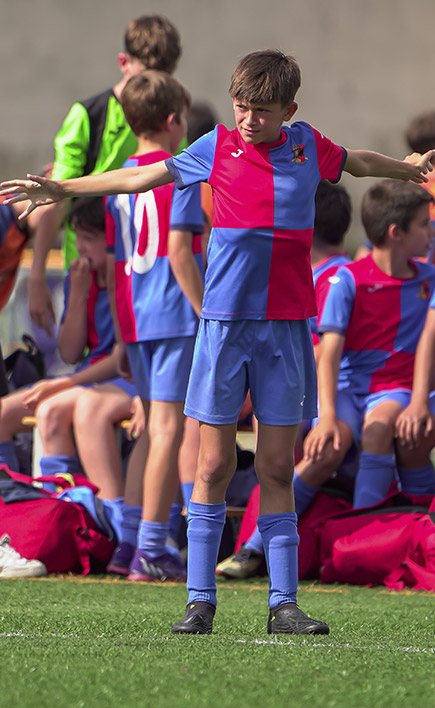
[(165, 567), (121, 559)]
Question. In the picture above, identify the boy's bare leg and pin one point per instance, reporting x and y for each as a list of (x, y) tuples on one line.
[(12, 412), (165, 430), (216, 463), (274, 464), (96, 412), (54, 419)]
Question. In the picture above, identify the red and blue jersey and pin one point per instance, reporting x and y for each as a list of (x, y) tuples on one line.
[(322, 271), (149, 302), (381, 318), (100, 330), (263, 217)]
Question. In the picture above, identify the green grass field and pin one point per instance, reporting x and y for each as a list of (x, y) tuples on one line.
[(89, 642)]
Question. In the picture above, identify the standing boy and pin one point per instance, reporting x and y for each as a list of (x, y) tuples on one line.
[(155, 241), (254, 330)]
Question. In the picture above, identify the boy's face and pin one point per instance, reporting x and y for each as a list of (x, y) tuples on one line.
[(417, 239), (261, 122), (91, 244)]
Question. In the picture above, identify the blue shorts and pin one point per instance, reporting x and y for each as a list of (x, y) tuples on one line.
[(352, 408), (161, 367), (272, 358)]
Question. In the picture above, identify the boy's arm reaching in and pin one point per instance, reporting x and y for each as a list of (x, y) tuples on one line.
[(127, 180), (364, 163)]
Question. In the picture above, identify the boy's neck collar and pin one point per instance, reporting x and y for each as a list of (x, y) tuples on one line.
[(393, 264)]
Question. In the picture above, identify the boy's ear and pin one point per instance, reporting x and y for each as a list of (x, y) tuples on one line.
[(123, 61), (394, 232), (290, 110), (171, 121)]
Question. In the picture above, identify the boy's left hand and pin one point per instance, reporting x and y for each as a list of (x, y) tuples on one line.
[(39, 190), (413, 423), (422, 163)]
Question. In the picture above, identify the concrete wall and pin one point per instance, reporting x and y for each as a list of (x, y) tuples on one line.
[(367, 65)]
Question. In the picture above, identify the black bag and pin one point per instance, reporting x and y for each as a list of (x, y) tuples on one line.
[(24, 366)]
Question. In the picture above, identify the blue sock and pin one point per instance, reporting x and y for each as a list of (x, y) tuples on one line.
[(204, 532), (280, 540), (418, 481), (186, 491), (8, 456), (175, 521), (374, 478), (131, 516), (255, 542), (152, 536), (58, 464), (304, 494)]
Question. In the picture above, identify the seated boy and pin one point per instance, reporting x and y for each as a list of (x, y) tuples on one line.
[(370, 325), (86, 324), (254, 330)]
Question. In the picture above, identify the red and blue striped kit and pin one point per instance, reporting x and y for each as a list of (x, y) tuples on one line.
[(381, 318), (149, 302), (263, 203)]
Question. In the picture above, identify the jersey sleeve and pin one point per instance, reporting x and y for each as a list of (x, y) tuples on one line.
[(186, 210), (71, 144), (338, 304), (195, 163), (331, 158)]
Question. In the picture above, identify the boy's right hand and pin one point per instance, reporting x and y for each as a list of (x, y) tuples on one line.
[(413, 423), (326, 430), (39, 190), (80, 277)]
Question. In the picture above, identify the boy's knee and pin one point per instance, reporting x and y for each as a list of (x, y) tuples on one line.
[(215, 470), (377, 437), (276, 471), (48, 417)]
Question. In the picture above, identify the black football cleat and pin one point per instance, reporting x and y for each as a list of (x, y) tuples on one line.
[(197, 620), (289, 619)]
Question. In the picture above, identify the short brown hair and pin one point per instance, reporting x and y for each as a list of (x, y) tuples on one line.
[(154, 41), (148, 99), (391, 202), (88, 213), (267, 76), (421, 132)]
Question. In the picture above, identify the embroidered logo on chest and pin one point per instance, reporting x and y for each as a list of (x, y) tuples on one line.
[(298, 152)]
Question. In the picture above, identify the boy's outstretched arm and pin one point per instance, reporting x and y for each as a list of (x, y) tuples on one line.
[(327, 428), (416, 419), (364, 163), (42, 191)]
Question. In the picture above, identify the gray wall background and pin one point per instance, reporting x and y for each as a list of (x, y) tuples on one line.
[(367, 65)]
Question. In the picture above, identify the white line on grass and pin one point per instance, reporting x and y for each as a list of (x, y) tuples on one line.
[(330, 645)]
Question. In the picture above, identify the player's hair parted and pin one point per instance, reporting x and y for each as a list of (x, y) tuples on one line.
[(88, 213), (333, 214), (421, 132), (154, 41), (149, 98), (266, 76), (391, 202)]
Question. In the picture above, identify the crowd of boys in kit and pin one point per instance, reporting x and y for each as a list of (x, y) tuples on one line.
[(257, 322)]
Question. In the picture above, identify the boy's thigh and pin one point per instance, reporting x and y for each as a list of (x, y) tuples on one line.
[(282, 373), (161, 367), (218, 381)]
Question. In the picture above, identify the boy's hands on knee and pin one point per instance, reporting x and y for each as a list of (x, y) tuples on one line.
[(137, 421), (413, 424), (327, 430), (44, 389)]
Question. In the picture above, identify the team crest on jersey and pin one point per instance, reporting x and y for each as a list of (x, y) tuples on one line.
[(424, 291), (298, 152)]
